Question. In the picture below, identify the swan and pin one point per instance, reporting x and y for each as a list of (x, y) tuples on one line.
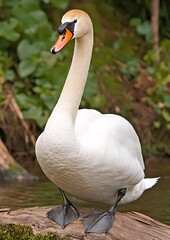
[(93, 156)]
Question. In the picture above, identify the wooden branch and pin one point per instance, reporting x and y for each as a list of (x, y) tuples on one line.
[(127, 226)]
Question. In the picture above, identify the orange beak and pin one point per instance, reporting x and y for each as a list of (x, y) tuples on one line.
[(62, 41)]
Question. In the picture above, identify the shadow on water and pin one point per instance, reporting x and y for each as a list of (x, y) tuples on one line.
[(154, 202)]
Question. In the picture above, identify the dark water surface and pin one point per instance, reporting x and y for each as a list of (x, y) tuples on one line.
[(154, 202)]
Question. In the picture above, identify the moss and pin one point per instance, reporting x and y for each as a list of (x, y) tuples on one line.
[(18, 232), (17, 172), (15, 168)]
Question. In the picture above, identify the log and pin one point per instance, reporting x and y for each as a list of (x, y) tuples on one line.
[(9, 168), (127, 226)]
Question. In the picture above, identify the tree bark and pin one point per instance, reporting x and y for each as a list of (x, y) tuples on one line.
[(127, 226), (155, 24)]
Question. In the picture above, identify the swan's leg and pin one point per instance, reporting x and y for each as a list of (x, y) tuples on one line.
[(64, 214), (101, 222)]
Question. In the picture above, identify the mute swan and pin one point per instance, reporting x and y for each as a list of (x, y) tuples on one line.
[(92, 156)]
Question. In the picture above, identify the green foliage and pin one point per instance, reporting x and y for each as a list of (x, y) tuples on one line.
[(6, 71), (143, 28), (18, 232), (7, 29), (123, 46), (131, 68), (59, 3), (159, 94), (38, 76)]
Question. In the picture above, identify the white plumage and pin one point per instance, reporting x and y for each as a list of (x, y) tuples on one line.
[(85, 153), (102, 157)]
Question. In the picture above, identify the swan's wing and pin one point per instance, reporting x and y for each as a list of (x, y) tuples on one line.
[(105, 129)]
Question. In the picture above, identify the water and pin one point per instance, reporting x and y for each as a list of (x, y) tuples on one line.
[(154, 202)]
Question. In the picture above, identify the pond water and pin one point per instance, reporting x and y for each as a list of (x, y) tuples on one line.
[(154, 202)]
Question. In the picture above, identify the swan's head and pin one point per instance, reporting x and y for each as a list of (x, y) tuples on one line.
[(74, 24)]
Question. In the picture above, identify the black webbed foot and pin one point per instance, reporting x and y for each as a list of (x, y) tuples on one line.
[(101, 222), (64, 214), (98, 222)]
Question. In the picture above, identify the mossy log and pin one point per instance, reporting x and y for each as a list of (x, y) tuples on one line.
[(9, 168), (133, 226)]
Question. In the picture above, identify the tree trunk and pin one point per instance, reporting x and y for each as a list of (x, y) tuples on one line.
[(155, 25), (127, 226)]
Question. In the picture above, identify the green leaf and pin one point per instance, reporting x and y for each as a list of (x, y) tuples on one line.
[(46, 1), (7, 29), (134, 22), (62, 4), (23, 100), (30, 5), (10, 75), (25, 49), (166, 98), (26, 68), (144, 28), (35, 113), (38, 16), (24, 6), (157, 124), (166, 115)]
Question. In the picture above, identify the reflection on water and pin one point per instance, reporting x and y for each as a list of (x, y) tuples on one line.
[(154, 202)]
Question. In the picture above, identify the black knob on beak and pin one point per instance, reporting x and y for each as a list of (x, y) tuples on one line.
[(53, 50)]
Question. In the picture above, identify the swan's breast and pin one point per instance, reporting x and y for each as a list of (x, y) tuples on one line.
[(95, 158)]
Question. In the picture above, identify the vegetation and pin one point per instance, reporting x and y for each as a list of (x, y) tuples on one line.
[(18, 232), (124, 60)]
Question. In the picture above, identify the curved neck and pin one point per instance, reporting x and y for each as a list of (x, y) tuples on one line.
[(72, 92)]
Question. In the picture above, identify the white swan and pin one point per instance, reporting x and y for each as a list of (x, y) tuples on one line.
[(92, 156)]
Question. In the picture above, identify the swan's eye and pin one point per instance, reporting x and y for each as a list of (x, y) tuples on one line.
[(75, 21)]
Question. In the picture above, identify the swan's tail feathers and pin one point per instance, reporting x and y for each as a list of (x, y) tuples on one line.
[(150, 182)]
